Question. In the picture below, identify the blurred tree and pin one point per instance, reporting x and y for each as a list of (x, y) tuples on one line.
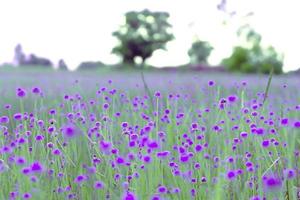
[(251, 57), (62, 65), (34, 60), (90, 65), (199, 52), (19, 57), (142, 34)]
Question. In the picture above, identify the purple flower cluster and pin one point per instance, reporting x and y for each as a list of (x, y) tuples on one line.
[(113, 144)]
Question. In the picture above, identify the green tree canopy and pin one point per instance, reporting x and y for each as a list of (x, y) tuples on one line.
[(199, 52), (251, 57), (142, 34)]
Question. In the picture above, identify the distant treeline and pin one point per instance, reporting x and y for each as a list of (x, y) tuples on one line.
[(144, 32)]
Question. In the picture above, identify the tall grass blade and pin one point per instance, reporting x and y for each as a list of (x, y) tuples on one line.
[(268, 85)]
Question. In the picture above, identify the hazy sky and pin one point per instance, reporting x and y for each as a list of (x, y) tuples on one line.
[(80, 30)]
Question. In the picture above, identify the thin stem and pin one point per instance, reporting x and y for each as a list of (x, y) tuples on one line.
[(268, 85), (146, 86)]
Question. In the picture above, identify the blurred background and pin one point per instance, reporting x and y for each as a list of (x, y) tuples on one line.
[(222, 36)]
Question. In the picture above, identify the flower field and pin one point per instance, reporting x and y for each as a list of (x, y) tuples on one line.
[(100, 136)]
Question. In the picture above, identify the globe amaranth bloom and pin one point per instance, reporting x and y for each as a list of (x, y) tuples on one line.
[(36, 90), (272, 183), (289, 173), (80, 178), (21, 93), (129, 196), (4, 120), (98, 185), (36, 167), (70, 130)]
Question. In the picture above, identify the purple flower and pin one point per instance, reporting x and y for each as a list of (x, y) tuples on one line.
[(120, 160), (18, 116), (39, 137), (33, 179), (27, 196), (265, 143), (230, 175), (162, 189), (184, 158), (198, 148), (36, 167), (289, 173), (129, 196), (232, 98), (255, 198), (297, 124), (56, 152), (4, 120), (284, 121), (98, 185), (20, 161), (6, 149), (155, 197), (70, 131), (153, 145), (124, 124), (105, 106), (211, 83), (13, 195), (244, 134), (157, 94), (25, 170), (163, 154), (147, 158), (36, 90), (272, 183), (80, 178), (21, 93)]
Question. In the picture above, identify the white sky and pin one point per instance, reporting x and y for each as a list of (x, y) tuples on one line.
[(80, 30)]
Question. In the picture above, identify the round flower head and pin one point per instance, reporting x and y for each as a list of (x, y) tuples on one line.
[(20, 161), (289, 173), (4, 120), (232, 98), (98, 185), (272, 183), (21, 93), (255, 198), (184, 158), (297, 124), (36, 167), (284, 121), (80, 178), (198, 148), (27, 196), (70, 131), (129, 196), (13, 195), (211, 83), (153, 145), (147, 159), (265, 143), (155, 197), (18, 116), (105, 146), (157, 94), (162, 189), (231, 175), (36, 90)]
